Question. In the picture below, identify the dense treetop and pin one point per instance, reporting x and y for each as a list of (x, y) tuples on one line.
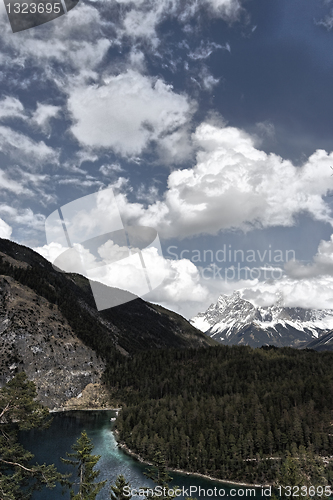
[(232, 412)]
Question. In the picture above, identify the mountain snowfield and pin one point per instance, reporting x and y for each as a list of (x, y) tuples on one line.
[(234, 320)]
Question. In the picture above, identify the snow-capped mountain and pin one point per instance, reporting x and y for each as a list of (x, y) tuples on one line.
[(234, 320)]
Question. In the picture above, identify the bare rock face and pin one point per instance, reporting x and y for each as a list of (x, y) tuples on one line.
[(36, 337)]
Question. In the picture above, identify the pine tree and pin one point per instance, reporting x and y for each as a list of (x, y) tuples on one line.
[(117, 490), (160, 476), (85, 462), (20, 411)]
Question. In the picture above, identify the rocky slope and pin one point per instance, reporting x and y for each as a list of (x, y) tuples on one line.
[(36, 338), (323, 343), (233, 320), (49, 326)]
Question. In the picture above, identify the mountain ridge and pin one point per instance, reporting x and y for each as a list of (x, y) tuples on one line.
[(235, 320), (51, 329)]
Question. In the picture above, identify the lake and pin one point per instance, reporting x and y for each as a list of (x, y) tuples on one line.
[(51, 444)]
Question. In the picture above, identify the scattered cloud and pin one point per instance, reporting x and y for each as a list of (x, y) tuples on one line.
[(206, 49), (108, 170), (23, 217), (7, 184), (43, 115), (128, 112), (229, 10), (327, 21), (74, 39), (10, 107), (141, 19), (208, 81), (25, 150)]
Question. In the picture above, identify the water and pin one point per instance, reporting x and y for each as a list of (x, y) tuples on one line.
[(51, 444)]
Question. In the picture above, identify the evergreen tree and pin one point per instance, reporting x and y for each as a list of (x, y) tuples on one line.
[(303, 470), (160, 476), (20, 411), (85, 462), (117, 490)]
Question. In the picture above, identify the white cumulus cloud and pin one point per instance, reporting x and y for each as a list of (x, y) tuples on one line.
[(235, 185), (128, 112)]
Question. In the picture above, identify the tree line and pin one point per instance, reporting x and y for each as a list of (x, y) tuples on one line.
[(298, 466), (230, 412)]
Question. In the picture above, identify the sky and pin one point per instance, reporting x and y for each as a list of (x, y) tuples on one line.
[(210, 122)]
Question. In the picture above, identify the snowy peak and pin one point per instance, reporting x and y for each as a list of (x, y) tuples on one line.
[(234, 320)]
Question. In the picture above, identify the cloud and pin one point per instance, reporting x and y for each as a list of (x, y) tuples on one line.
[(128, 112), (142, 23), (5, 230), (207, 80), (327, 22), (109, 170), (322, 263), (23, 149), (24, 217), (74, 40), (229, 10), (43, 115), (10, 107), (180, 286), (27, 227), (7, 184), (205, 50), (235, 185), (141, 19), (316, 293)]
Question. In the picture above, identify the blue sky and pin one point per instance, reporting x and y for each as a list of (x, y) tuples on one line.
[(211, 121)]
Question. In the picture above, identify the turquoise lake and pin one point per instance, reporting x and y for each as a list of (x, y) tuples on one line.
[(51, 444)]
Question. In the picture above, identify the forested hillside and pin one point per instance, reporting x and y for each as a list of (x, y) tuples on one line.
[(231, 412)]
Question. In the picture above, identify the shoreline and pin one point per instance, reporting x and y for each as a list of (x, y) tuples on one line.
[(137, 457), (134, 455), (63, 410)]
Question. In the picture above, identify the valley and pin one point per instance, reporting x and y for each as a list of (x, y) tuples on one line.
[(230, 412)]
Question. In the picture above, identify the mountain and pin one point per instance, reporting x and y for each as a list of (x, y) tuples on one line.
[(234, 320), (323, 343), (51, 329)]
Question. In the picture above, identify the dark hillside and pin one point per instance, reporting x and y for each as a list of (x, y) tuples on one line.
[(131, 326)]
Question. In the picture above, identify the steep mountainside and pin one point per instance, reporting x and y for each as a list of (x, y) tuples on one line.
[(233, 320), (36, 338), (50, 327), (323, 343)]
